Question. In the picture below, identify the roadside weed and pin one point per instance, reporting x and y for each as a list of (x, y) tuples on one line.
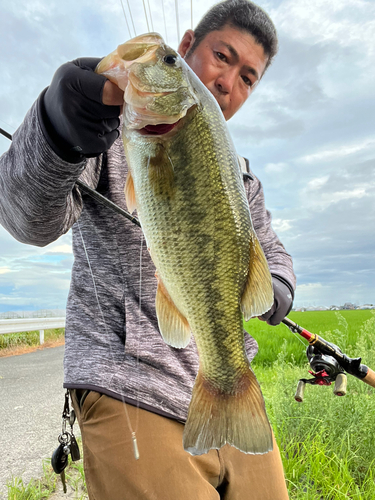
[(34, 490), (48, 486), (327, 443)]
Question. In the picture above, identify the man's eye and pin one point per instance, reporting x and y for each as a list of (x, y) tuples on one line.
[(221, 56), (247, 81)]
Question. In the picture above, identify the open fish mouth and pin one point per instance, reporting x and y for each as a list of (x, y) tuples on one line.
[(164, 128), (160, 129)]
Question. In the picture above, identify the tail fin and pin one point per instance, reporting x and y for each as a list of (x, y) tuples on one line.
[(238, 419)]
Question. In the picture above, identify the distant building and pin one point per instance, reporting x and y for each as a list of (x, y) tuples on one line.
[(348, 306), (41, 313)]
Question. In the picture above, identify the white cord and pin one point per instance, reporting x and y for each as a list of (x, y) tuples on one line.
[(133, 433)]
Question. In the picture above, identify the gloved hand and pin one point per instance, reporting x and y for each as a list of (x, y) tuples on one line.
[(73, 117), (283, 301)]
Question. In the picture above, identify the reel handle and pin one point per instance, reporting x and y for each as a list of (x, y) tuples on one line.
[(300, 391), (370, 378), (340, 385)]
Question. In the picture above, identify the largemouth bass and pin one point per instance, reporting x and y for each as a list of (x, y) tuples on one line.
[(186, 184)]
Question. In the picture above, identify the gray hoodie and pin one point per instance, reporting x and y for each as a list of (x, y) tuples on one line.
[(112, 344)]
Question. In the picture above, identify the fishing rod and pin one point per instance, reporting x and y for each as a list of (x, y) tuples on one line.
[(327, 361), (5, 134), (93, 193), (329, 364)]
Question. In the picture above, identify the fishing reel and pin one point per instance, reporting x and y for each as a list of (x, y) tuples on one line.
[(325, 370)]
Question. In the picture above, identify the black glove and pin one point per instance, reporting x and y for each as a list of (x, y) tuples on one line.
[(283, 301), (74, 120)]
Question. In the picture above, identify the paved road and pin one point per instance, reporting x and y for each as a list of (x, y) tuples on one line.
[(31, 404)]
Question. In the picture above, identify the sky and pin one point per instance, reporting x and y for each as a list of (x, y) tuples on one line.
[(308, 131)]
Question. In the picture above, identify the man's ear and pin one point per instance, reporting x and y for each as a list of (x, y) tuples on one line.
[(186, 43)]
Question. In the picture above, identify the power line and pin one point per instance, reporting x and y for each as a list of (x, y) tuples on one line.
[(7, 124)]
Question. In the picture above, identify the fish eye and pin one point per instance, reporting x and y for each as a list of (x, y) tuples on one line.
[(170, 59)]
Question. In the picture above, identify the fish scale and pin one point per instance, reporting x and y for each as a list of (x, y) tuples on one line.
[(186, 185)]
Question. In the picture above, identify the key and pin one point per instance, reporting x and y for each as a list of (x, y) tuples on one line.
[(62, 477), (72, 418), (74, 449), (68, 444), (59, 458)]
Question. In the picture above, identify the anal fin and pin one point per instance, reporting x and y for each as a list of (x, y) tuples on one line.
[(257, 297), (173, 325)]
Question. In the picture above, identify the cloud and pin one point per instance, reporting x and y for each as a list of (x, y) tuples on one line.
[(308, 131), (341, 150), (59, 248), (275, 167), (34, 277), (318, 182), (334, 20), (5, 270), (281, 225)]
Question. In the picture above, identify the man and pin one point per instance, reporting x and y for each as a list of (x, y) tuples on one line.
[(126, 382)]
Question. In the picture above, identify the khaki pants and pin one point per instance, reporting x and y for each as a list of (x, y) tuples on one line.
[(164, 470)]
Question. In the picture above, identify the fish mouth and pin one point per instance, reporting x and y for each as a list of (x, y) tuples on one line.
[(165, 128), (159, 129)]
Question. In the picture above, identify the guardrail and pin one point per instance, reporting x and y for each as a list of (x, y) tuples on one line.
[(30, 325)]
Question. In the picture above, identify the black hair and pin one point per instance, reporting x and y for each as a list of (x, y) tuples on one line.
[(243, 15)]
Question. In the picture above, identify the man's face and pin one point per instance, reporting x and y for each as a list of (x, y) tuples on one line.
[(229, 62)]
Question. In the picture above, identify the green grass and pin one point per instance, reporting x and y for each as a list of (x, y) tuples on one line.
[(327, 443), (44, 488), (34, 490), (31, 338), (76, 478)]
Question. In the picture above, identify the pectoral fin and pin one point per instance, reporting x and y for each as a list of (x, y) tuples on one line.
[(161, 173), (257, 297), (173, 325), (130, 193)]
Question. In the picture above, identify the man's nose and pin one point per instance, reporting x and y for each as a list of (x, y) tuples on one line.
[(225, 81)]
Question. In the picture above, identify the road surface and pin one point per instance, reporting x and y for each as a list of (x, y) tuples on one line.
[(31, 404)]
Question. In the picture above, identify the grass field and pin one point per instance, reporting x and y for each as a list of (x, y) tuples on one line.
[(327, 443)]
